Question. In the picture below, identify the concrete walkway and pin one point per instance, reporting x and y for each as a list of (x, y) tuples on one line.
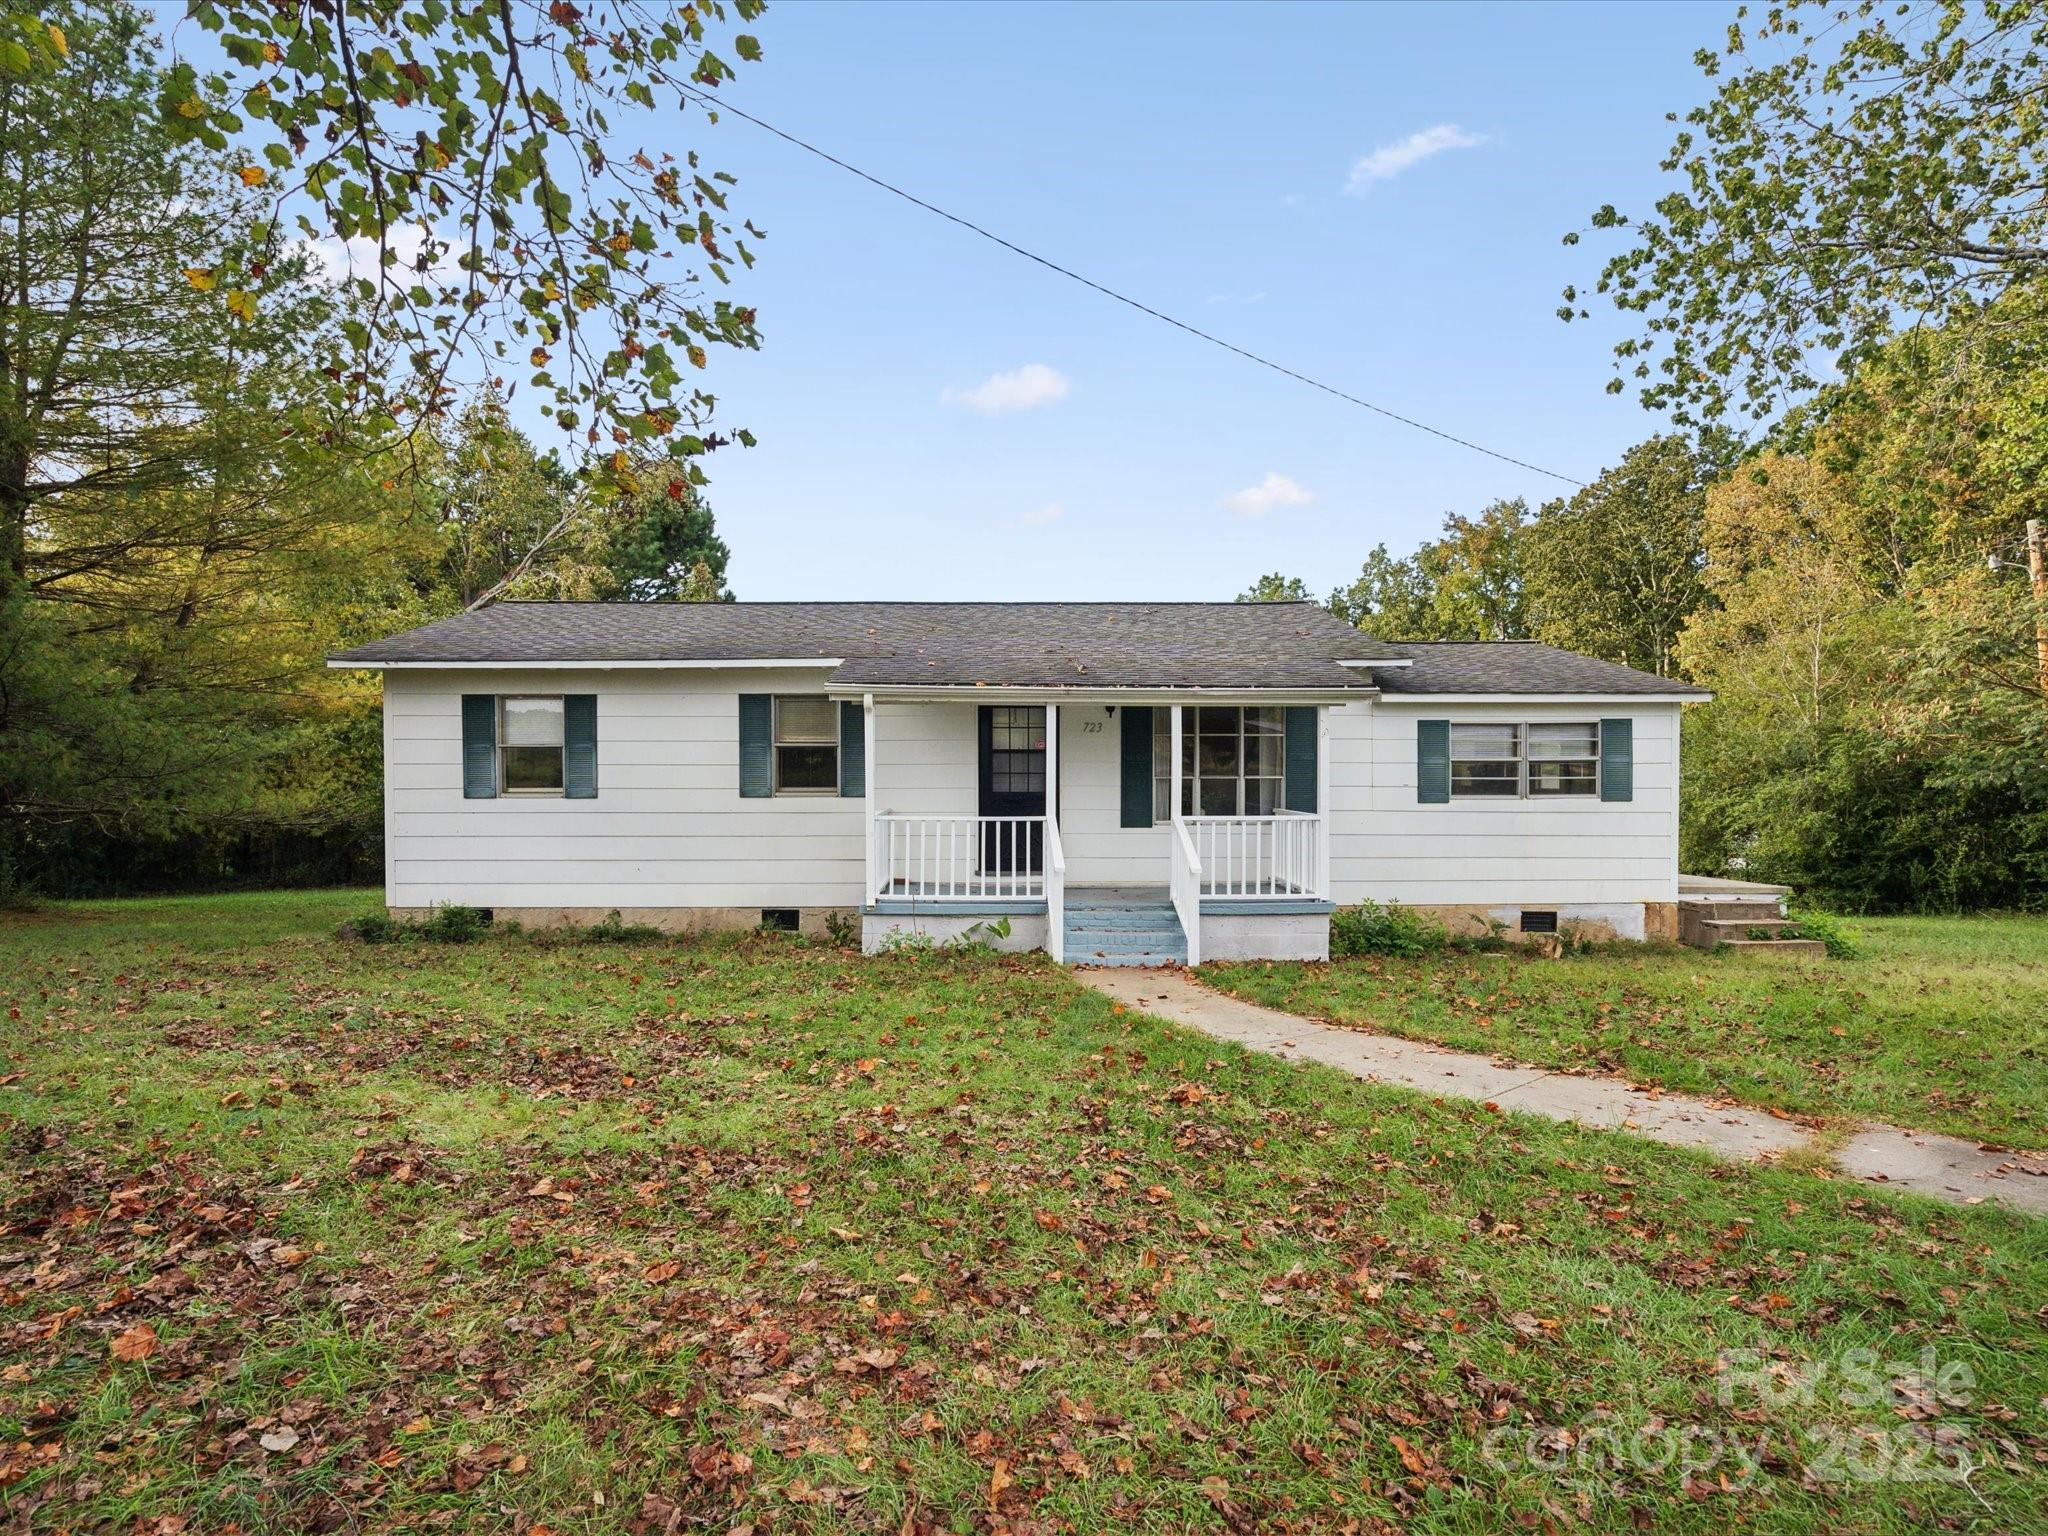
[(1944, 1167)]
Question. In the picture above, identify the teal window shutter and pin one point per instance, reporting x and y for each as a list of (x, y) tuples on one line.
[(579, 746), (1433, 762), (1617, 759), (1301, 758), (1137, 766), (757, 746), (479, 746), (853, 750)]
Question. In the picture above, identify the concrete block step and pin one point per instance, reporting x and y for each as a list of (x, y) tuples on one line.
[(1737, 927), (1124, 938), (1121, 917), (1134, 957), (1720, 911), (1776, 946)]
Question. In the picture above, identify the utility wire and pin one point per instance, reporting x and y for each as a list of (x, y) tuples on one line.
[(1123, 298)]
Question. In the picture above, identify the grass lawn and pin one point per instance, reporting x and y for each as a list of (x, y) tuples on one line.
[(297, 1234), (1939, 1023)]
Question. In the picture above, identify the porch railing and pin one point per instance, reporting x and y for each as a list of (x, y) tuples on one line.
[(961, 858), (1256, 858)]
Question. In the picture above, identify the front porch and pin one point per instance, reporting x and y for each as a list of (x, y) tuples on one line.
[(1061, 816)]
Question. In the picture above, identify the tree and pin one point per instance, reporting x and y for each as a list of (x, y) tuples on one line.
[(1475, 571), (1465, 585), (1880, 169), (166, 488), (665, 544), (472, 163), (111, 324), (1616, 569), (1389, 599), (1275, 588), (512, 520)]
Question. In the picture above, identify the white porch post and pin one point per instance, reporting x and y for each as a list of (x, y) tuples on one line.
[(867, 727), (1052, 760), (1173, 761), (1324, 820)]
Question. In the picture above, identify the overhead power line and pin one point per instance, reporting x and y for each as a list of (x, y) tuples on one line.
[(1124, 298)]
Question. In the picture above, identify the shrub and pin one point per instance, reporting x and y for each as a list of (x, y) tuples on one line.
[(1829, 930), (454, 923), (842, 930), (1371, 929), (372, 927), (615, 931)]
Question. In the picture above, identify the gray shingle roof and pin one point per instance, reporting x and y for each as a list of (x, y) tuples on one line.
[(1080, 645), (1028, 645), (1516, 666)]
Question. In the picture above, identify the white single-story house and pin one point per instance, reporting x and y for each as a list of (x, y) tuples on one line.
[(1114, 782)]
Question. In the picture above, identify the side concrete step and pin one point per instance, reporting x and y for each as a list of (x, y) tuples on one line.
[(1776, 946)]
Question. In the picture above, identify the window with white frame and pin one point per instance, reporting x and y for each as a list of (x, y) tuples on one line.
[(1526, 761), (1233, 762), (530, 745), (806, 745)]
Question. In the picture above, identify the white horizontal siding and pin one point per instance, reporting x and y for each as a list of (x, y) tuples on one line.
[(1389, 847), (1100, 849), (669, 827)]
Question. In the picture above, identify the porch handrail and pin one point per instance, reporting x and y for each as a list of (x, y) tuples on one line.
[(958, 858), (1055, 892), (1278, 857), (1185, 886)]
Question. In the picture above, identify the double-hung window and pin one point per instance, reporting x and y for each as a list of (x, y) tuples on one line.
[(530, 740), (806, 745), (1233, 762), (1533, 761)]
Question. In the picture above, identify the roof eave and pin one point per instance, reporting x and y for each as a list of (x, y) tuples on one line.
[(1577, 696), (513, 664), (1141, 693)]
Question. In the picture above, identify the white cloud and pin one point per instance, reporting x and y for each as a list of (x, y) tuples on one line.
[(1021, 389), (1275, 491), (1390, 160), (363, 257), (1051, 512)]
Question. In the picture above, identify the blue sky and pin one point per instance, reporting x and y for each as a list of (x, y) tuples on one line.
[(1201, 158)]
